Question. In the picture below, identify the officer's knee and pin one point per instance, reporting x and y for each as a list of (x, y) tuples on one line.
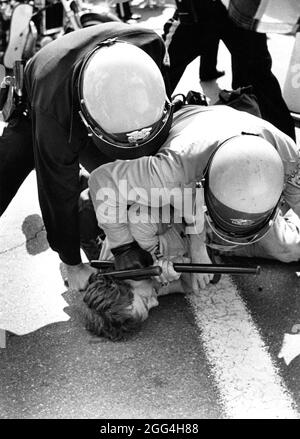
[(284, 251), (289, 255)]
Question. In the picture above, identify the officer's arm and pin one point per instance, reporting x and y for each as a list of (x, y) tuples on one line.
[(198, 251), (57, 171), (116, 185)]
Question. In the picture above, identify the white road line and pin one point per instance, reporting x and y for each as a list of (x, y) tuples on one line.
[(249, 384)]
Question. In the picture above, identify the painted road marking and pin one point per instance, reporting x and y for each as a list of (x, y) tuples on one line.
[(249, 383)]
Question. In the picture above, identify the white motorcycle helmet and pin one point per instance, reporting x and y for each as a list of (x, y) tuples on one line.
[(243, 187), (123, 100)]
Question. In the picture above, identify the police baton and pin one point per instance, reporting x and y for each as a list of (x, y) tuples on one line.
[(142, 273)]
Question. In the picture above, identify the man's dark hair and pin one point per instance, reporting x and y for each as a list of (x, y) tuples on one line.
[(108, 314)]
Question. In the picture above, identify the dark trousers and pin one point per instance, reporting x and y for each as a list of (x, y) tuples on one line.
[(251, 60), (123, 11), (209, 58), (16, 158), (4, 27)]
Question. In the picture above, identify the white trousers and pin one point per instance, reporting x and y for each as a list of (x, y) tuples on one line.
[(282, 242)]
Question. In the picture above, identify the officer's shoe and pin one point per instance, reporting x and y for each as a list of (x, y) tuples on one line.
[(210, 76), (133, 18)]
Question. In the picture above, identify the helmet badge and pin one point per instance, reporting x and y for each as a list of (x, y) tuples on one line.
[(137, 135), (242, 222)]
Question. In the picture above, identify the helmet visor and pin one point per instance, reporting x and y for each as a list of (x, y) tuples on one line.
[(235, 227), (146, 141)]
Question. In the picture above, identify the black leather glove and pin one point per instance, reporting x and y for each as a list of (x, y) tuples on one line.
[(131, 256)]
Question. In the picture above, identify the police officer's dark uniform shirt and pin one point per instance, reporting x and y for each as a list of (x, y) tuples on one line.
[(59, 135)]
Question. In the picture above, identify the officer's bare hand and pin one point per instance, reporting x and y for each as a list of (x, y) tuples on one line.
[(78, 276), (168, 273), (201, 280)]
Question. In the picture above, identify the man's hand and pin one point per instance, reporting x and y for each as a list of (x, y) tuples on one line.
[(131, 256), (78, 276), (201, 280), (199, 256), (168, 273)]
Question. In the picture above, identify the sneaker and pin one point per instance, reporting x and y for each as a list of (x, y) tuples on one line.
[(212, 75)]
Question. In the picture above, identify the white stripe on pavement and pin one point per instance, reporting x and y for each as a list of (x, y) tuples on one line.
[(249, 384)]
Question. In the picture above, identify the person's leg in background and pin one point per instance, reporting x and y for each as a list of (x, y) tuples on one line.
[(16, 157), (251, 65), (182, 47), (123, 11), (208, 62)]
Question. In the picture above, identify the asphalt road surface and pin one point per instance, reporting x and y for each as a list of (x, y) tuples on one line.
[(214, 356)]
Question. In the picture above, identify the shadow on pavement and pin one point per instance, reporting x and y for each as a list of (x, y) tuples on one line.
[(35, 233)]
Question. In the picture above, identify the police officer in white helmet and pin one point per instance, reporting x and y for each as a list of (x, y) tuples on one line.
[(235, 170), (94, 95)]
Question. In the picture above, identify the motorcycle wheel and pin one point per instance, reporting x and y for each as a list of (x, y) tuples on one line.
[(30, 46), (22, 36)]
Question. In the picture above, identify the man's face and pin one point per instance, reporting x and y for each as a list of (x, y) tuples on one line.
[(145, 297)]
